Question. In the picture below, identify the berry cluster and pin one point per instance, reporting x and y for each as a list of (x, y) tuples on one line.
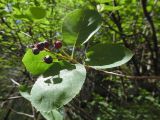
[(36, 48), (39, 47)]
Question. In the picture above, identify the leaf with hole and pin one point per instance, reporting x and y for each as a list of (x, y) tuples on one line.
[(56, 67), (47, 94), (50, 115), (102, 56)]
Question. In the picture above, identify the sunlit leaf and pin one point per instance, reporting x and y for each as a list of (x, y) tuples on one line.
[(34, 63), (46, 94)]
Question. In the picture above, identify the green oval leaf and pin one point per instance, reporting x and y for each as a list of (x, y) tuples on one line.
[(34, 63), (38, 12), (102, 56), (47, 95), (80, 25)]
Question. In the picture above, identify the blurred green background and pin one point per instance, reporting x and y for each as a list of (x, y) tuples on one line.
[(134, 23)]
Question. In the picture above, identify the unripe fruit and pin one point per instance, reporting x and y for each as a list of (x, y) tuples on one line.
[(46, 44), (40, 46), (48, 59), (58, 44), (35, 51)]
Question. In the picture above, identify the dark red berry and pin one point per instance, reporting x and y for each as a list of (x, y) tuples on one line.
[(48, 59), (58, 44), (35, 51), (40, 46), (46, 44)]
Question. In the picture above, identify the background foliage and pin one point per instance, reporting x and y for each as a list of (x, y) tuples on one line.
[(132, 23)]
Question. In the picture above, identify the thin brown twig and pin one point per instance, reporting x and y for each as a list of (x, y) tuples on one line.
[(10, 98), (131, 77), (34, 113), (123, 75), (21, 113)]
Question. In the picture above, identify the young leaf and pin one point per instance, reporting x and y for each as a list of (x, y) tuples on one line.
[(46, 96), (34, 63), (102, 56), (38, 12), (80, 25)]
